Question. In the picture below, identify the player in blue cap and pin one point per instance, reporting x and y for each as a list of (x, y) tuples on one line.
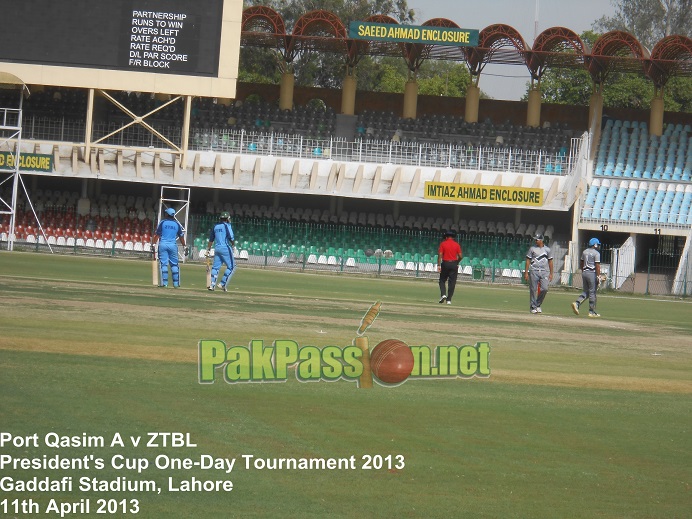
[(222, 237), (168, 231), (590, 276)]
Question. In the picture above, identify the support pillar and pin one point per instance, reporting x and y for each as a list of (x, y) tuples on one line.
[(348, 93), (286, 91), (410, 99), (595, 117), (656, 115), (473, 95), (533, 111)]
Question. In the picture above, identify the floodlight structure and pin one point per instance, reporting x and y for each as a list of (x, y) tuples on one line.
[(10, 165)]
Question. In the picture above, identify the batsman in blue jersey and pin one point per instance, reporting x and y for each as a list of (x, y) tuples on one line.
[(168, 231), (222, 237)]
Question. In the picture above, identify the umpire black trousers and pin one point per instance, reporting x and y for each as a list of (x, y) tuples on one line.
[(448, 278)]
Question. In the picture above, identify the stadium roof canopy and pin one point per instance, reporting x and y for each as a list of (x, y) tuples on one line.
[(557, 47)]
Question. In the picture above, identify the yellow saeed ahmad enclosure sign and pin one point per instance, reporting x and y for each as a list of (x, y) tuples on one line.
[(483, 194), (413, 34)]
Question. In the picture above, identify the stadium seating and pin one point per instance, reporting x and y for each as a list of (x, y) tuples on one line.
[(249, 126), (626, 150)]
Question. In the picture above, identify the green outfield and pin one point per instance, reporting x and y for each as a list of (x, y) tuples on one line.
[(579, 417)]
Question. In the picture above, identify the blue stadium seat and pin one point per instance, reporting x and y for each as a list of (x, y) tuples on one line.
[(676, 205), (664, 211), (599, 168), (609, 201), (686, 174), (686, 206), (649, 169), (657, 202), (591, 194), (622, 192), (639, 198), (628, 204), (645, 213), (639, 168), (600, 199)]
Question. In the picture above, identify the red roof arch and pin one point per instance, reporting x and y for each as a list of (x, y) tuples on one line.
[(263, 19), (491, 42), (263, 25), (670, 56), (416, 53), (323, 31), (319, 29), (555, 47), (611, 48), (359, 48)]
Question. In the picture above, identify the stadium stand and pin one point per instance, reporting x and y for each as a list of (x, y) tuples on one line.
[(302, 193), (664, 165)]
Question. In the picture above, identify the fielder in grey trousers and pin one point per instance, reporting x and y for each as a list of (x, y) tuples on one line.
[(588, 279), (590, 270), (538, 273)]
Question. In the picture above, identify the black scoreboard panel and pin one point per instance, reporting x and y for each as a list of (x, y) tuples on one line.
[(160, 36)]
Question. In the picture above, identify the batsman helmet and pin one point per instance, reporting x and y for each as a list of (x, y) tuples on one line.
[(170, 211), (593, 242), (538, 236), (225, 215)]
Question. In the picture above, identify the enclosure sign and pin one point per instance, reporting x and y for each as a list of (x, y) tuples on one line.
[(27, 161), (413, 34), (483, 194)]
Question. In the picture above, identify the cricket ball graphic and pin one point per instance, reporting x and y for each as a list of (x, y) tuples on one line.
[(391, 361)]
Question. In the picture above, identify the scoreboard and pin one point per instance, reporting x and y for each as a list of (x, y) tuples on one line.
[(173, 46)]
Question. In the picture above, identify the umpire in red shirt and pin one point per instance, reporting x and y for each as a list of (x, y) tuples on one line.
[(448, 258)]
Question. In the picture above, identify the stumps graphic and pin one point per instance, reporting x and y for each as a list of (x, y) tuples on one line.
[(391, 361)]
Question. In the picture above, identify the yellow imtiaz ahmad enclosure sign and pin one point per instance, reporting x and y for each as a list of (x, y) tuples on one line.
[(483, 194)]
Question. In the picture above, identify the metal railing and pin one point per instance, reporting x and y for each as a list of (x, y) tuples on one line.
[(424, 154), (648, 219)]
